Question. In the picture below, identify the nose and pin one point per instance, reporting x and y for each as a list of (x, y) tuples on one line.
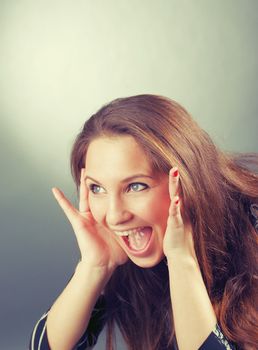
[(117, 212)]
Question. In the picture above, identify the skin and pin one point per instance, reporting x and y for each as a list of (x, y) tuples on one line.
[(117, 206)]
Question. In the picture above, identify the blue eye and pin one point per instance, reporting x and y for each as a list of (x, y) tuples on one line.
[(95, 188), (137, 186)]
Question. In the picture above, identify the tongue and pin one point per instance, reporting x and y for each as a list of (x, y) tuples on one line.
[(139, 240)]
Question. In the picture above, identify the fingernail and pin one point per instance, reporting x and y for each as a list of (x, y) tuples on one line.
[(175, 173), (177, 201)]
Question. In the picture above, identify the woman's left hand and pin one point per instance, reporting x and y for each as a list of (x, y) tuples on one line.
[(178, 237)]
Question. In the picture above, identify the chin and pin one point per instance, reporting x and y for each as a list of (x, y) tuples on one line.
[(148, 261)]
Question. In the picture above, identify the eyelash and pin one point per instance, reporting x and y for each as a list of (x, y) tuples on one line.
[(91, 187), (139, 183)]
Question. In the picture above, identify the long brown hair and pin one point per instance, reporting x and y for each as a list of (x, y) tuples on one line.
[(217, 190)]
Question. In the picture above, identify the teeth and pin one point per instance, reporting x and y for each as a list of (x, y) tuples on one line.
[(121, 233), (136, 232)]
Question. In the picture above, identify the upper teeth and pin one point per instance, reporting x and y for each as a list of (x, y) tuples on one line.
[(130, 232)]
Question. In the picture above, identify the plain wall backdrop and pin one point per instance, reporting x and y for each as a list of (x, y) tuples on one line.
[(62, 60)]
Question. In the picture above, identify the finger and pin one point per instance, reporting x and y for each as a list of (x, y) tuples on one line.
[(175, 219), (65, 204), (173, 182), (83, 203)]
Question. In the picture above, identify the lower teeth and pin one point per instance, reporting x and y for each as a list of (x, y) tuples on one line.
[(136, 241)]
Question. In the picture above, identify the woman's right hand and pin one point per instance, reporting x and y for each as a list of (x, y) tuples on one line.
[(97, 246)]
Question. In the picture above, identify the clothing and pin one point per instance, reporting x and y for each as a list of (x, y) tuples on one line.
[(215, 341), (39, 341)]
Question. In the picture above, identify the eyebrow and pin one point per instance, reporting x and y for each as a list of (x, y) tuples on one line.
[(130, 178)]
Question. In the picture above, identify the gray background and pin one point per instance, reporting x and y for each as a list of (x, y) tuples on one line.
[(59, 62)]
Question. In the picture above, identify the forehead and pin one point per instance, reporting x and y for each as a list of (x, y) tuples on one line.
[(116, 154)]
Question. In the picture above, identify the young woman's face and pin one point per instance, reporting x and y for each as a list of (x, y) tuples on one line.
[(127, 198)]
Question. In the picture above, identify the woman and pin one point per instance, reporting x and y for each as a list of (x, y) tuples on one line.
[(166, 231)]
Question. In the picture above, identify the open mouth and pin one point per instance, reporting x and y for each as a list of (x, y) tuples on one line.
[(138, 239)]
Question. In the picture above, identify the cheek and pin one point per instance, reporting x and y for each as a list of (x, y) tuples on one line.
[(156, 209), (97, 209), (160, 210)]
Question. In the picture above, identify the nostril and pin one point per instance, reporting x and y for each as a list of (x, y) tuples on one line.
[(118, 218)]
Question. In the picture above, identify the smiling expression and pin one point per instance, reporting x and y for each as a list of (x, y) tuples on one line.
[(127, 197)]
